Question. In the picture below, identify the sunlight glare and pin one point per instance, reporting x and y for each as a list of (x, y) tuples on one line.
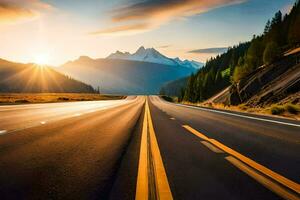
[(42, 59)]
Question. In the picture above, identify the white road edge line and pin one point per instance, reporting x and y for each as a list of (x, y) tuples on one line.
[(238, 115), (2, 132)]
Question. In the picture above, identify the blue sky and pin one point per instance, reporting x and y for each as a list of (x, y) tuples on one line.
[(60, 30)]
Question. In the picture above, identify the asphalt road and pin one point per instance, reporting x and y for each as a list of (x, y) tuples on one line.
[(195, 171), (16, 117), (137, 149), (73, 157)]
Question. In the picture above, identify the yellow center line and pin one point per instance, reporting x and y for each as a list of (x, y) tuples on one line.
[(162, 187), (142, 178), (273, 175), (164, 191)]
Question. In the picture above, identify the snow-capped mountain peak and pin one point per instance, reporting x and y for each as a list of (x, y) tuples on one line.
[(153, 56)]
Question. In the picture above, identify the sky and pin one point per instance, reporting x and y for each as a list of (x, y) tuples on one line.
[(55, 31)]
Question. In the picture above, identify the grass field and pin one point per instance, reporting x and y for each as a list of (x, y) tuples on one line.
[(21, 98)]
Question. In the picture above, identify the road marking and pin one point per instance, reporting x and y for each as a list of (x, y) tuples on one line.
[(142, 178), (271, 185), (212, 147), (200, 135), (164, 191), (239, 115), (2, 132), (150, 157), (262, 169)]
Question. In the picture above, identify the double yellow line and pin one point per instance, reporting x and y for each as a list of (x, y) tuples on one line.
[(152, 181)]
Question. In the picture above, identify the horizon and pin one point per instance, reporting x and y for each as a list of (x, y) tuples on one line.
[(112, 99), (55, 32), (94, 58)]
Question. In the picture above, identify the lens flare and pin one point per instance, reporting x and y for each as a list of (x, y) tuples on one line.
[(41, 59)]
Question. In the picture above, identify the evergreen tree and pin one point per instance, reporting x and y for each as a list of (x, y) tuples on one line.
[(280, 34), (254, 56), (267, 27), (271, 53), (294, 26)]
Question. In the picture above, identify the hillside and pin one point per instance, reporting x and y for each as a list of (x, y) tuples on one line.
[(117, 76), (173, 88), (267, 85), (258, 72), (30, 78), (210, 79)]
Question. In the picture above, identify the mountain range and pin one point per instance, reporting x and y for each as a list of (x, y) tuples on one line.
[(143, 72), (153, 56)]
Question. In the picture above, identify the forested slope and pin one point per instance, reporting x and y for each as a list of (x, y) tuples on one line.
[(281, 34), (31, 78)]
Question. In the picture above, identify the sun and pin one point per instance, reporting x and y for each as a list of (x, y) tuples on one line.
[(41, 59)]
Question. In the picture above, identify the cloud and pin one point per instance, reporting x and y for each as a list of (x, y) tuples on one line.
[(164, 46), (215, 50), (12, 11), (158, 12), (125, 29)]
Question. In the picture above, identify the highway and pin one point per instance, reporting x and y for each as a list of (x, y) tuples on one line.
[(191, 138), (74, 156), (145, 148), (18, 117)]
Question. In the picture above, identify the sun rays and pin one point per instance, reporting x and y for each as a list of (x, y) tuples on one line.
[(34, 77), (41, 59)]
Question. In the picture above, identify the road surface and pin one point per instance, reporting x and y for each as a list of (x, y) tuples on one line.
[(74, 155), (145, 149)]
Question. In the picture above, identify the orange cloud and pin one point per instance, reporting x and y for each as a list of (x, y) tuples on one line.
[(12, 11), (158, 12), (124, 29)]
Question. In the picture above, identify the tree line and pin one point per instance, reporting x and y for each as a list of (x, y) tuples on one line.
[(281, 33)]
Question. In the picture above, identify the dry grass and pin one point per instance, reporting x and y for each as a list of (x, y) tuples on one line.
[(20, 98), (287, 110)]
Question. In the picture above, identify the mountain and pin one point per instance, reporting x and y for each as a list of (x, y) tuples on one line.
[(30, 78), (153, 56), (121, 76)]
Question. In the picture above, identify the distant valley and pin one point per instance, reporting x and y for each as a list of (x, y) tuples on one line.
[(143, 72)]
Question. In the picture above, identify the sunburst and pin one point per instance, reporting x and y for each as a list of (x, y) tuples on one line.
[(41, 59)]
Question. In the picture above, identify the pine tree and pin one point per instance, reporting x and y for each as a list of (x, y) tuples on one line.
[(267, 27), (271, 53)]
